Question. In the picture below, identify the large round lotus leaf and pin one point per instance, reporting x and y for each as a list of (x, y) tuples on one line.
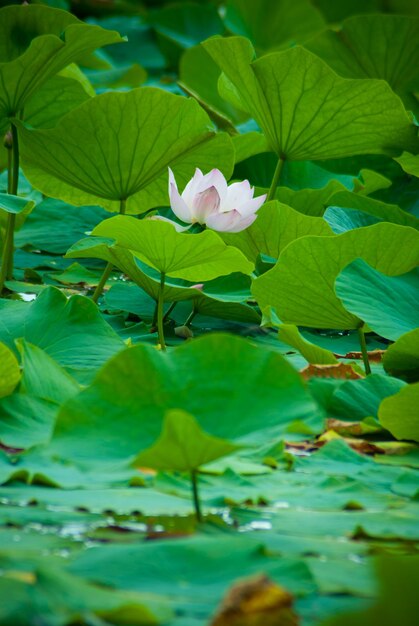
[(196, 257), (276, 226), (301, 285), (402, 357), (43, 42), (389, 305), (375, 46), (306, 111), (118, 146), (234, 389)]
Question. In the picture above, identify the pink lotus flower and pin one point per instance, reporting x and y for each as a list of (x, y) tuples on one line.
[(207, 199)]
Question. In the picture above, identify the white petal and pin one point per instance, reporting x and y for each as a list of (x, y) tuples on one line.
[(204, 204), (237, 194), (192, 187), (179, 206), (215, 178), (231, 222), (251, 206)]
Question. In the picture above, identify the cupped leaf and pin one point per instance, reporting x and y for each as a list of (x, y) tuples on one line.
[(301, 285), (136, 388), (308, 112), (402, 357), (183, 445), (9, 371), (125, 260), (270, 24), (399, 413), (275, 227), (409, 163), (371, 207), (70, 330), (375, 46), (388, 304), (36, 42), (117, 147), (197, 257)]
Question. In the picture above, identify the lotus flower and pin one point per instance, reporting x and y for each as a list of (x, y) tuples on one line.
[(207, 199)]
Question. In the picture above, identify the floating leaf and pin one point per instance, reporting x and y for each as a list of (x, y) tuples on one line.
[(388, 304), (306, 111), (104, 162), (301, 285), (71, 331)]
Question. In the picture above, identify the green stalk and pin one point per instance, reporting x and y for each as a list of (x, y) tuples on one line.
[(109, 266), (190, 317), (160, 323), (364, 350), (276, 179), (169, 310), (195, 495), (6, 271)]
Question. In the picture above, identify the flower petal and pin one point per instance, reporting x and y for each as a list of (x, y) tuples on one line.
[(204, 204), (237, 194), (192, 187), (179, 206), (215, 178), (251, 206), (230, 222)]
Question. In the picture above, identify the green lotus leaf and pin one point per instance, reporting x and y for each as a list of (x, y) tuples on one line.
[(270, 24), (375, 46), (144, 276), (138, 387), (409, 163), (198, 77), (275, 227), (44, 41), (308, 112), (389, 305), (399, 413), (15, 204), (402, 357), (118, 146), (9, 371), (183, 446), (301, 285), (197, 257), (71, 331), (372, 208)]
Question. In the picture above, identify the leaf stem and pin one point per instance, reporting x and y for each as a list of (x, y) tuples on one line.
[(195, 495), (160, 302), (364, 350), (109, 266), (6, 271), (190, 317), (169, 310), (276, 178)]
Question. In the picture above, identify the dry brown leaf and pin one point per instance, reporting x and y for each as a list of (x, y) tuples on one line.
[(256, 601), (375, 356), (337, 370)]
